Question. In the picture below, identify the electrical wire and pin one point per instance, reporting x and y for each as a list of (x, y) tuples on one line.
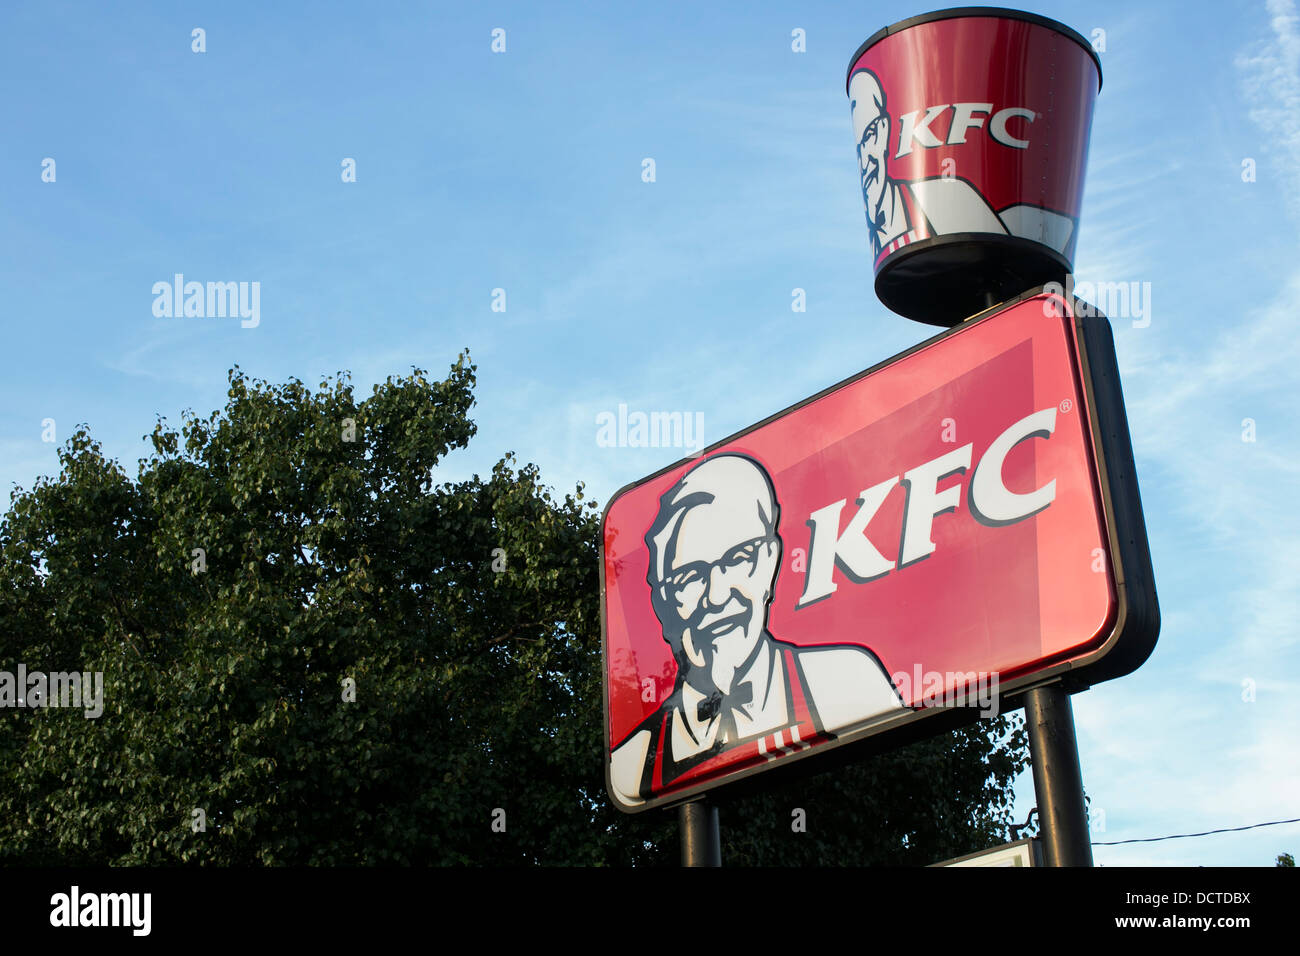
[(1180, 836)]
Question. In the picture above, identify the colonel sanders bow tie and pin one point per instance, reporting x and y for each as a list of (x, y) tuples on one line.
[(876, 224), (726, 705)]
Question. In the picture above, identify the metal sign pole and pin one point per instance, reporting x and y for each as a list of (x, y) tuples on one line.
[(701, 842), (1058, 783)]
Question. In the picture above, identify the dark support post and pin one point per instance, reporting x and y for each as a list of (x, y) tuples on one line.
[(1058, 784), (701, 844)]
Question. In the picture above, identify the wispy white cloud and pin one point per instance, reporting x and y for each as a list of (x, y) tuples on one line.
[(1271, 80), (170, 351)]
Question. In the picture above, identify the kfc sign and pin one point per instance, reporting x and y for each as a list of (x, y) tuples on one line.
[(945, 528), (966, 116), (990, 501), (971, 128)]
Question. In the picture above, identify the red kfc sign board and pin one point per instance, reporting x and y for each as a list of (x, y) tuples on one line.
[(945, 528)]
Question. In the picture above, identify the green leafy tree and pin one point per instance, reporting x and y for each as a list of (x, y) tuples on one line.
[(1285, 859), (931, 801), (314, 653)]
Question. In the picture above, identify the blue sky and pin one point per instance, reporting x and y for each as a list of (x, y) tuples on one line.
[(521, 171)]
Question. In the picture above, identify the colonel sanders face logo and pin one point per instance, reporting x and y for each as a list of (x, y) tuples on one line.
[(714, 555), (887, 216), (871, 126), (715, 558)]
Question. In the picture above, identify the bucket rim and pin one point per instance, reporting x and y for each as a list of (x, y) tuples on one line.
[(995, 13)]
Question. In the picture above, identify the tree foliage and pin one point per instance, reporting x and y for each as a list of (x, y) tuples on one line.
[(933, 800), (294, 545)]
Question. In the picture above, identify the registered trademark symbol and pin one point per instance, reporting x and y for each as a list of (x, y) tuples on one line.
[(1067, 405)]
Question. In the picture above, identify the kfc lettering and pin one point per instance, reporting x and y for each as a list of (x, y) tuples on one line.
[(991, 503), (963, 118)]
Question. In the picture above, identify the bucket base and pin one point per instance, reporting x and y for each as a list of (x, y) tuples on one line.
[(947, 279)]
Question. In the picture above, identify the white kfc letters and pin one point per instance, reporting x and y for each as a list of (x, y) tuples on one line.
[(914, 128), (991, 503)]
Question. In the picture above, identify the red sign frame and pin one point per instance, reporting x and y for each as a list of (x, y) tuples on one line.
[(948, 527)]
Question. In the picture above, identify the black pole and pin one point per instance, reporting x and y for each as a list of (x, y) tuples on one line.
[(701, 843), (1058, 783)]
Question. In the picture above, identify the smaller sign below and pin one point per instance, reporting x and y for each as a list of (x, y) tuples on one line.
[(1027, 852)]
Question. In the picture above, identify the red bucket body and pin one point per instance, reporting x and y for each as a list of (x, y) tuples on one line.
[(971, 128)]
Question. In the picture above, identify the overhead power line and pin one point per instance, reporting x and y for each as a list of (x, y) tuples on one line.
[(1180, 836)]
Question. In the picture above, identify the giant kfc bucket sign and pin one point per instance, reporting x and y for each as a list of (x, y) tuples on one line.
[(971, 128), (941, 530)]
